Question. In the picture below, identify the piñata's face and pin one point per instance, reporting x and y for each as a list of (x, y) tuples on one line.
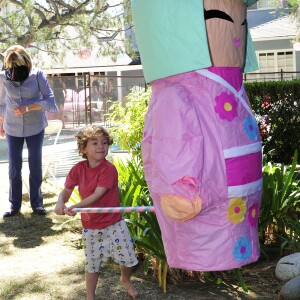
[(226, 31)]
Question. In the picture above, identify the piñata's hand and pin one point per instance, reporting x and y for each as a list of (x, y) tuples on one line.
[(179, 208)]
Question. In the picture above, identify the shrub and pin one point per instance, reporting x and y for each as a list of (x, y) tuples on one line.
[(277, 105), (130, 120), (280, 206), (144, 227)]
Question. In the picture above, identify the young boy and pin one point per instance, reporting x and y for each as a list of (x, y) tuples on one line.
[(104, 235)]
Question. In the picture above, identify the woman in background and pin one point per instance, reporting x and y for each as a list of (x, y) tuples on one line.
[(112, 92), (60, 91), (25, 96)]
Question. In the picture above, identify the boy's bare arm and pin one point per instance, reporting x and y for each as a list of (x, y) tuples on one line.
[(87, 202), (63, 198)]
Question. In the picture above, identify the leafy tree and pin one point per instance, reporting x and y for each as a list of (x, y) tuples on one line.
[(294, 9), (55, 26), (294, 6)]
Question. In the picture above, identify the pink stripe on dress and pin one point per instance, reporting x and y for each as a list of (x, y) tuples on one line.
[(244, 169)]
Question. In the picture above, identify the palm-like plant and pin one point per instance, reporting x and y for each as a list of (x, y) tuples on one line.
[(280, 208), (143, 227)]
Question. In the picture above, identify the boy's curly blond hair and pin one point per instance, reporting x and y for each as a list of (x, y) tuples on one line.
[(89, 133)]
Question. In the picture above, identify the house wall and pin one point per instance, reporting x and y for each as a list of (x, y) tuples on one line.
[(297, 54), (284, 44), (273, 45)]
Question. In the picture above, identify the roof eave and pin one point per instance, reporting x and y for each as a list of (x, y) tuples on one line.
[(277, 38)]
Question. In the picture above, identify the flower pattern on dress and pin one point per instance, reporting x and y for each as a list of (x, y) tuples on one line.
[(242, 249), (253, 214), (250, 128), (226, 106), (236, 210)]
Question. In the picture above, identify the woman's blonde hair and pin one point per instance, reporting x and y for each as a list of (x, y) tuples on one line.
[(89, 133), (17, 55)]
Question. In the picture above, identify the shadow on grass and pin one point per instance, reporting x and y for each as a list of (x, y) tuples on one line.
[(5, 248), (27, 228)]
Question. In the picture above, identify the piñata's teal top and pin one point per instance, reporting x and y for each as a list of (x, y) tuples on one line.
[(186, 48)]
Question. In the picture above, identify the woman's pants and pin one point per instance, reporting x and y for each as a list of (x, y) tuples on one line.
[(15, 149)]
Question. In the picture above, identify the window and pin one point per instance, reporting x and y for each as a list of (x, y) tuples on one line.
[(266, 63), (275, 62), (285, 61)]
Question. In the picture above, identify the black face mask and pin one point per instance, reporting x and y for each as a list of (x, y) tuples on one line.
[(17, 73)]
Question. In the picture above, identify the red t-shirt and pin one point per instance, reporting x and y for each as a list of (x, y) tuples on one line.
[(88, 179)]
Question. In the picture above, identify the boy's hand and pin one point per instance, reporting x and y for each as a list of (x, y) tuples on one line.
[(60, 208), (63, 197), (68, 211)]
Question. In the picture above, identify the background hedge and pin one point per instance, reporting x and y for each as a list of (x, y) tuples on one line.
[(277, 106)]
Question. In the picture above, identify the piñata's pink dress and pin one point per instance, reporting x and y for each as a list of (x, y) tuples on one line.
[(200, 137)]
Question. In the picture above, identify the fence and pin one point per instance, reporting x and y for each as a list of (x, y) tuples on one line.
[(87, 98), (271, 76)]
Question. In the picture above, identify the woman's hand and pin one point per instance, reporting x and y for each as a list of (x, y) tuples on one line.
[(20, 110), (2, 132)]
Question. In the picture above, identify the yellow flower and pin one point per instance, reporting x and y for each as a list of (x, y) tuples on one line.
[(236, 210), (228, 106)]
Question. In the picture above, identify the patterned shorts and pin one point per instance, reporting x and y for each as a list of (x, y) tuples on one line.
[(111, 242)]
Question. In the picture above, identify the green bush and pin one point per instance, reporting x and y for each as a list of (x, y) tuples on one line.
[(277, 105), (280, 206), (129, 120)]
